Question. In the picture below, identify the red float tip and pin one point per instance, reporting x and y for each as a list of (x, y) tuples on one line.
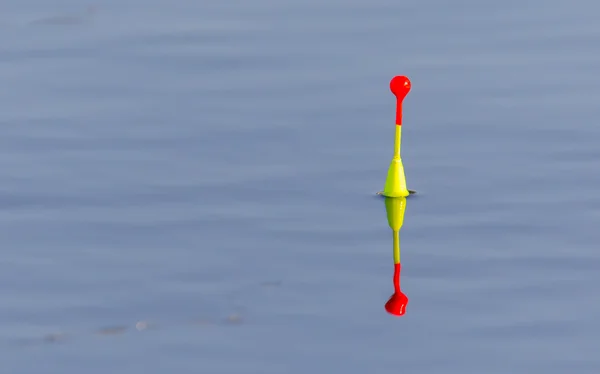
[(400, 86)]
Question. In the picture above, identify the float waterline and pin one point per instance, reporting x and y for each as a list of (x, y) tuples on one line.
[(395, 183)]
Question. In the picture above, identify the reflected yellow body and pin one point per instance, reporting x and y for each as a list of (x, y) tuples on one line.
[(395, 208), (395, 183)]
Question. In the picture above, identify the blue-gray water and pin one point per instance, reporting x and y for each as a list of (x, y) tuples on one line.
[(209, 168)]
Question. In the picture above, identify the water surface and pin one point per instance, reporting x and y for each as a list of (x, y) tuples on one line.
[(207, 171)]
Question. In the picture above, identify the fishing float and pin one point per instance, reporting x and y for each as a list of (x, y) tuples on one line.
[(395, 183)]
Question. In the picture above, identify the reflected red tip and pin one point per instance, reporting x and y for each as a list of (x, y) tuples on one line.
[(400, 86), (396, 305)]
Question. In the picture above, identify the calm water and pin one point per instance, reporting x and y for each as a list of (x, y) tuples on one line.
[(207, 170)]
